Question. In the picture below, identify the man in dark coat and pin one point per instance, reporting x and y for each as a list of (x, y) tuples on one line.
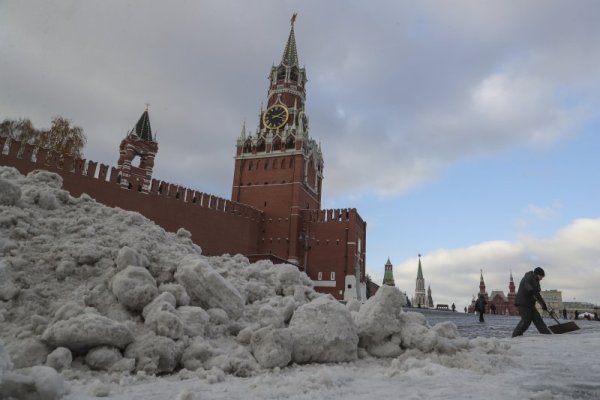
[(480, 306), (527, 295)]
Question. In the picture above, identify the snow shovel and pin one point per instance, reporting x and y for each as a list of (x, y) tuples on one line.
[(562, 328)]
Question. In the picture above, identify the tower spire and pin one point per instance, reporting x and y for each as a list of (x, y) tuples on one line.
[(420, 270), (142, 127), (290, 55)]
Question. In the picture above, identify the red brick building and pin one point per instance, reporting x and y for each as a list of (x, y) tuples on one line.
[(503, 304), (275, 208)]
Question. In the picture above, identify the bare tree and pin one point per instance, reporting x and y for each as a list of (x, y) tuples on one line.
[(61, 137), (21, 129)]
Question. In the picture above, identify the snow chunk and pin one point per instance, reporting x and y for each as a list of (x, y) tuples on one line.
[(134, 287), (154, 354), (353, 305), (60, 359), (267, 315), (27, 353), (378, 318), (195, 320), (45, 178), (128, 256), (161, 317), (103, 358), (10, 194), (272, 347), (209, 289), (177, 291), (5, 363), (196, 354), (35, 383), (289, 276), (323, 331), (8, 288), (88, 330)]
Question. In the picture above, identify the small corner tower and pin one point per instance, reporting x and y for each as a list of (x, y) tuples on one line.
[(388, 276), (139, 144)]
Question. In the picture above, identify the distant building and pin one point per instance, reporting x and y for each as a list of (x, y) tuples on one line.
[(388, 276), (579, 306), (503, 304), (553, 299)]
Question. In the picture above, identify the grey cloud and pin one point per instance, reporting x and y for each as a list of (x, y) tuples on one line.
[(403, 74)]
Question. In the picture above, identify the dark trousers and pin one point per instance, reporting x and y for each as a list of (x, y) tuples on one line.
[(529, 314), (481, 316)]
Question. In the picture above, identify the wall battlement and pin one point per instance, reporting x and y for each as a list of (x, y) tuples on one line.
[(332, 215), (18, 153)]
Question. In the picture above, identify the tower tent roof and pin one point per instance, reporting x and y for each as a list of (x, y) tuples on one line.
[(420, 270), (142, 127), (290, 55)]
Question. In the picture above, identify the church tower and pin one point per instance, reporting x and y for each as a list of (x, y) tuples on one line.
[(482, 284), (429, 297), (279, 167), (483, 292), (420, 299), (388, 276), (512, 309), (136, 156)]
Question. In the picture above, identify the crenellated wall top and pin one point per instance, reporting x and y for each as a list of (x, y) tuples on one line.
[(14, 153)]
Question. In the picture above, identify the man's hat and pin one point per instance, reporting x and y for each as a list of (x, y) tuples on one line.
[(539, 271)]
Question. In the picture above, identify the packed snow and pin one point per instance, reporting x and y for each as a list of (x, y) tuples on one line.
[(101, 302)]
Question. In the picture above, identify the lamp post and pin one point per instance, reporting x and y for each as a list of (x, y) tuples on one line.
[(305, 238)]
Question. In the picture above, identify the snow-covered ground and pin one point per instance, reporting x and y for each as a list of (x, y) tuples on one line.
[(100, 302)]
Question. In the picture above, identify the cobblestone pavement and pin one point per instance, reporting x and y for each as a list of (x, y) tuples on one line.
[(494, 326)]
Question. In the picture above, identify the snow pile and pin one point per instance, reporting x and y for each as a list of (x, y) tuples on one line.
[(85, 287)]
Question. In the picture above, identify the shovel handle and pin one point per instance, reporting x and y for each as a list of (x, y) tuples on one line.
[(553, 315)]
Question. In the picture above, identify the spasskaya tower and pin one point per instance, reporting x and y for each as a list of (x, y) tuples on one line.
[(279, 170)]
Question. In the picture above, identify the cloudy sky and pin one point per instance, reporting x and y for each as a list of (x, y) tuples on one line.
[(465, 131)]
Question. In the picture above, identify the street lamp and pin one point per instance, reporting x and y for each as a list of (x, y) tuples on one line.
[(305, 238)]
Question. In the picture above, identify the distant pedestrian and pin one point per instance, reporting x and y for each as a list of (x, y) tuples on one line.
[(596, 317), (576, 314), (465, 310), (453, 307), (565, 313), (480, 306), (527, 295), (493, 308)]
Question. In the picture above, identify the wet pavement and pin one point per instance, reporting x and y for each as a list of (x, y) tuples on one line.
[(494, 326)]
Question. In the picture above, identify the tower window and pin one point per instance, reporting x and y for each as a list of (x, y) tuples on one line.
[(281, 73), (294, 74), (320, 276), (265, 203), (333, 276)]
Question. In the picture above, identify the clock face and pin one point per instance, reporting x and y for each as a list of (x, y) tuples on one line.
[(275, 117)]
